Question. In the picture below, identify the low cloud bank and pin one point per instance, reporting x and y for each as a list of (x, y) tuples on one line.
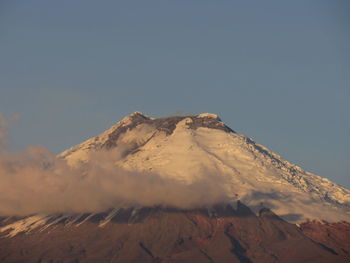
[(36, 181)]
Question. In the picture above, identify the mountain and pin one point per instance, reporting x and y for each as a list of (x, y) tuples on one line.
[(186, 147), (272, 210)]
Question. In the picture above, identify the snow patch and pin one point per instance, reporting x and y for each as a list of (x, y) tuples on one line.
[(109, 217), (25, 225), (208, 115)]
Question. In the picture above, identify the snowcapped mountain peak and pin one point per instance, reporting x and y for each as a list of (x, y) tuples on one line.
[(138, 121), (134, 117), (186, 148)]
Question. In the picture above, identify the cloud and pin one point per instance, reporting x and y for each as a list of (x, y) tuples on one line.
[(36, 181)]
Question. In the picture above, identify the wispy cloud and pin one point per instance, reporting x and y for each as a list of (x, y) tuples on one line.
[(36, 181)]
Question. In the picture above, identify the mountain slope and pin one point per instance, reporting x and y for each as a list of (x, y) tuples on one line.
[(187, 148), (171, 236)]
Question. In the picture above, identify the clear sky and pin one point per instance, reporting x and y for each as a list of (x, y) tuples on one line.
[(277, 71)]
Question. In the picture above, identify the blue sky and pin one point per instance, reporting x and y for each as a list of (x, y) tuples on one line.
[(277, 71)]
